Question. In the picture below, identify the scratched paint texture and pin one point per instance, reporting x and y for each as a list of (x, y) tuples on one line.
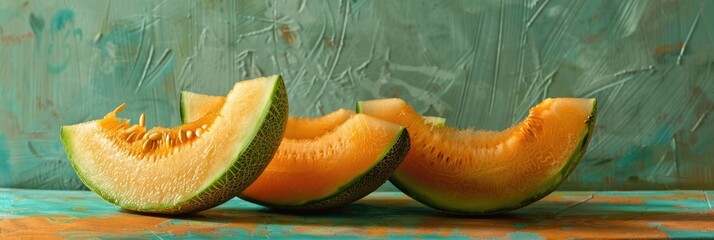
[(562, 215), (480, 64)]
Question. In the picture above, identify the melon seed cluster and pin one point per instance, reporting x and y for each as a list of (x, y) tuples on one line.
[(157, 137)]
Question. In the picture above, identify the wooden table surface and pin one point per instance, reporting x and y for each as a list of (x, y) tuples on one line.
[(643, 214)]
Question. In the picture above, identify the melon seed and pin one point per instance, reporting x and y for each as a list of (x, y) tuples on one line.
[(167, 140), (140, 135), (189, 134), (155, 136), (120, 108), (204, 126), (199, 132), (142, 120), (130, 138), (180, 135), (147, 144)]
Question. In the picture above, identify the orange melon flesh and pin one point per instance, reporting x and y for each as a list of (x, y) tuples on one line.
[(178, 173), (320, 158), (308, 170), (484, 172), (199, 105), (303, 127)]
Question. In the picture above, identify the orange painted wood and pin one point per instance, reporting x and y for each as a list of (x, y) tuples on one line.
[(642, 214)]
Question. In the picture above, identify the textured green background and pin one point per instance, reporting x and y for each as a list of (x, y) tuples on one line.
[(480, 64)]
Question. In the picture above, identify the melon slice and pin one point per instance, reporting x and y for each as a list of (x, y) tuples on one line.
[(487, 172), (323, 162), (187, 168)]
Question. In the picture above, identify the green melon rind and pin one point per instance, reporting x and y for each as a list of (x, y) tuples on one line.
[(361, 185), (248, 165), (567, 169), (182, 108), (184, 104), (550, 186), (65, 137)]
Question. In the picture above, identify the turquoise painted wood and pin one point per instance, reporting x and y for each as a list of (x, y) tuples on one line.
[(479, 64), (641, 214)]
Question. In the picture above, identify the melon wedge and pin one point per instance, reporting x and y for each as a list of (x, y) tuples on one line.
[(187, 168), (331, 170), (487, 172), (322, 163)]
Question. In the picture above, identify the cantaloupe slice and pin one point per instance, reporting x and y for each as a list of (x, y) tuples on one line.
[(323, 162), (486, 172), (187, 168)]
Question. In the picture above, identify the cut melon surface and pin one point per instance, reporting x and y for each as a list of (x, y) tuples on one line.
[(194, 106), (323, 162), (487, 172), (334, 169), (433, 120), (187, 168)]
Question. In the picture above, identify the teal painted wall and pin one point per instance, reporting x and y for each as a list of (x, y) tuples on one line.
[(480, 64)]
